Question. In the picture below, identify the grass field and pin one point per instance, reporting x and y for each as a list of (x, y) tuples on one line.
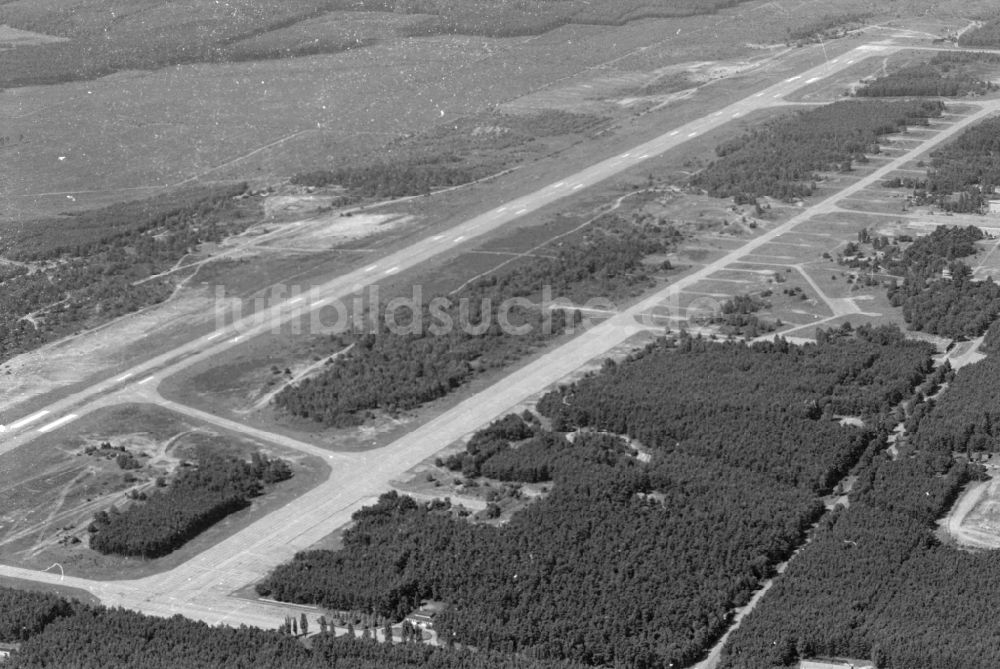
[(53, 488)]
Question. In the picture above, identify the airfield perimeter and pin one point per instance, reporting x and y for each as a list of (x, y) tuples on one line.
[(202, 587)]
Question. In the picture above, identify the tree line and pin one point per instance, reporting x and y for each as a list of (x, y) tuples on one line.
[(197, 498), (56, 632), (400, 369), (783, 158)]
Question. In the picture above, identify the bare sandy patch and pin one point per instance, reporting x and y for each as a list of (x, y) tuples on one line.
[(74, 359), (12, 37)]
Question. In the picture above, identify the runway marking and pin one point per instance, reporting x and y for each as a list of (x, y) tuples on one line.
[(296, 300), (214, 335), (718, 113), (371, 268), (693, 133), (124, 376), (850, 61), (392, 270), (778, 95), (809, 81), (435, 238), (459, 238), (521, 211), (674, 133), (561, 183), (736, 114), (626, 155), (835, 60), (27, 420), (757, 95), (577, 186), (791, 79), (147, 379), (502, 209), (644, 156), (56, 423)]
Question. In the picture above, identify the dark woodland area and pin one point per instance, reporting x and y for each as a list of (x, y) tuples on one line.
[(52, 629), (627, 562), (784, 158), (198, 497)]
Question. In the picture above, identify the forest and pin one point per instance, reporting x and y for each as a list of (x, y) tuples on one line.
[(783, 158), (877, 582), (986, 35), (937, 77), (66, 277), (628, 562), (964, 173), (937, 294), (198, 497), (55, 632), (425, 358)]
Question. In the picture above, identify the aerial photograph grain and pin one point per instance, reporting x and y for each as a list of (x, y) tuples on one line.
[(500, 334)]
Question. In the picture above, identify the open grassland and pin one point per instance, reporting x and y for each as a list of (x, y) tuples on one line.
[(52, 489)]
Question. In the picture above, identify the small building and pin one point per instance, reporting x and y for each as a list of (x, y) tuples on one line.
[(993, 207), (6, 649), (424, 616)]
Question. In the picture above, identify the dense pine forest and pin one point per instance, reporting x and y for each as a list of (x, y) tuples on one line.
[(877, 582), (783, 158), (54, 632), (442, 347), (625, 561), (90, 268), (197, 498), (940, 77)]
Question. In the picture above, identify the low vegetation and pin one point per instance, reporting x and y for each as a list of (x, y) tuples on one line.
[(985, 35), (198, 498), (103, 37), (628, 562), (784, 158), (830, 26), (74, 273)]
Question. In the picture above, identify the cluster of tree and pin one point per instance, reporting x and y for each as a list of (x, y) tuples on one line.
[(426, 355), (964, 173), (98, 265), (875, 582), (55, 632), (627, 562), (198, 498), (782, 158), (937, 294), (925, 79), (827, 27), (738, 317), (987, 35)]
